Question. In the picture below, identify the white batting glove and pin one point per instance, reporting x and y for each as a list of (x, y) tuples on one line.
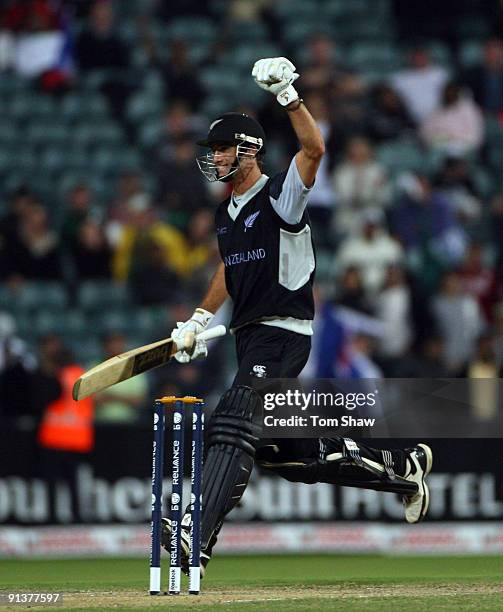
[(198, 322), (276, 75)]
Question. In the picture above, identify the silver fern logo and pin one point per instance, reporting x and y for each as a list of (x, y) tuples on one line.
[(250, 220)]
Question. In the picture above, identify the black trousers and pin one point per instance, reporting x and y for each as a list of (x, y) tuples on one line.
[(272, 352)]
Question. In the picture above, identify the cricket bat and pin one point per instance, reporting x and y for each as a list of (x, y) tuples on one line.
[(139, 360)]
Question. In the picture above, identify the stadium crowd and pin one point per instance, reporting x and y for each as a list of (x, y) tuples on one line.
[(106, 224)]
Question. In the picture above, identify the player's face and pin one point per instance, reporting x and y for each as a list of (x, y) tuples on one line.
[(223, 157)]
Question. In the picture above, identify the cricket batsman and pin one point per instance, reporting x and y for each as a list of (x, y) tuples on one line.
[(268, 263)]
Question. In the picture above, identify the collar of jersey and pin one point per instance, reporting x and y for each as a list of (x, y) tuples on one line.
[(238, 202)]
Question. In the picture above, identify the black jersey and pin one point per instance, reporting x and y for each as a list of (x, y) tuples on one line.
[(269, 263)]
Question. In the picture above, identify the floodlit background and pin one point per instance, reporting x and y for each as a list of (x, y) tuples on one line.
[(106, 240)]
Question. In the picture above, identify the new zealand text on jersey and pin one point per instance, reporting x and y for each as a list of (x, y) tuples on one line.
[(244, 257)]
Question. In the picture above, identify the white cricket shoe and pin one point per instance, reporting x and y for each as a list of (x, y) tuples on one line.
[(418, 464)]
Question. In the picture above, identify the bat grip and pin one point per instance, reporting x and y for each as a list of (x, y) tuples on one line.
[(207, 334)]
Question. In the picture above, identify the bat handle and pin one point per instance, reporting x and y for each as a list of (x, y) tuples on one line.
[(207, 334), (212, 332)]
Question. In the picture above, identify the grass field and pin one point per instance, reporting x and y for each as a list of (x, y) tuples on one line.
[(272, 583)]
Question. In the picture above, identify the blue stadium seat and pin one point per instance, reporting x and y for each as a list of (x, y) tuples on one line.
[(150, 132), (23, 158), (250, 94), (46, 132), (52, 159), (76, 159), (214, 79), (9, 134), (98, 295), (5, 157), (193, 29), (245, 55), (440, 53), (87, 352), (105, 160), (401, 156), (367, 57), (484, 181), (248, 31), (298, 31), (342, 9), (145, 104), (38, 295), (150, 322), (77, 106), (470, 53), (113, 320), (297, 9), (217, 104)]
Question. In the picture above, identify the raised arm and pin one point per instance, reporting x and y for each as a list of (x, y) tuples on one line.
[(311, 142), (276, 75)]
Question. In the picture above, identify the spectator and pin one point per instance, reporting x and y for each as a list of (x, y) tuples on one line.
[(247, 10), (344, 342), (322, 197), (322, 69), (76, 212), (498, 333), (420, 86), (153, 282), (39, 44), (98, 47), (90, 252), (140, 230), (17, 368), (486, 79), (428, 362), (123, 402), (359, 361), (479, 280), (200, 246), (360, 185), (179, 124), (131, 197), (484, 385), (459, 321), (34, 253), (393, 308), (164, 257), (181, 8), (424, 221), (457, 126), (12, 348), (388, 115), (350, 291), (66, 431), (349, 107), (30, 15), (181, 77), (496, 222), (372, 250), (455, 183), (182, 188), (20, 201)]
